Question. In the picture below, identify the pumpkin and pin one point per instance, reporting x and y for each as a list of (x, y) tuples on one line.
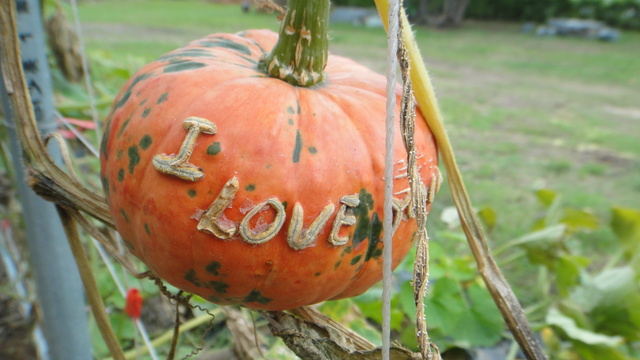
[(246, 189)]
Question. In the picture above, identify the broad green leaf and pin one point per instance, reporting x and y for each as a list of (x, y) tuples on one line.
[(616, 283), (486, 316), (571, 309), (571, 330), (471, 319), (617, 312), (607, 289), (437, 270), (445, 305)]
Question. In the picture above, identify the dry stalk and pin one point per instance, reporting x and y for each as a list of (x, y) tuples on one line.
[(46, 178), (246, 342), (89, 282)]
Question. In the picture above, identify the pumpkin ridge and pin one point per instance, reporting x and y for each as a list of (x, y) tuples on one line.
[(253, 41)]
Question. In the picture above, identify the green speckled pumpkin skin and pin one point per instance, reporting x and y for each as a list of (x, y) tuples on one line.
[(303, 147)]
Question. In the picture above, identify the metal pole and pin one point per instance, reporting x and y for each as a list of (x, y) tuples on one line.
[(59, 289)]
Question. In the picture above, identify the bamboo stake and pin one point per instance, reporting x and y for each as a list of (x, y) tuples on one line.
[(496, 283)]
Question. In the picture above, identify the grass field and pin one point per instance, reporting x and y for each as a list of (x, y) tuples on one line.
[(523, 112)]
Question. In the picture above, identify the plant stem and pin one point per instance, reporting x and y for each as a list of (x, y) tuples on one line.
[(300, 55), (90, 284)]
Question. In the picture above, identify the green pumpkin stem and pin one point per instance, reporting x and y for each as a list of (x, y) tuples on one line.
[(300, 55)]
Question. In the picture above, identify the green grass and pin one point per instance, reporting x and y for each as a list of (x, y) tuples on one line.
[(523, 112)]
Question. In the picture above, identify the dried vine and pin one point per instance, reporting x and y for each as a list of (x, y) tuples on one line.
[(421, 197), (497, 285)]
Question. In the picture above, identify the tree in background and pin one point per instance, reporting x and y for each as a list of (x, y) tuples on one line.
[(440, 13), (623, 14)]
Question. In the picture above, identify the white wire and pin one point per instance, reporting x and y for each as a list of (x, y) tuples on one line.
[(94, 113), (387, 253), (121, 289), (85, 69), (78, 134)]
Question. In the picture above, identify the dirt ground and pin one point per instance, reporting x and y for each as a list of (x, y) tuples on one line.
[(15, 328)]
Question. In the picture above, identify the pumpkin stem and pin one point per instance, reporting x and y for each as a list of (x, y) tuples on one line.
[(300, 55)]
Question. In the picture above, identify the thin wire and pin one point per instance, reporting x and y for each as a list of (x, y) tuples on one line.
[(78, 134), (92, 149), (85, 70), (121, 289), (387, 253)]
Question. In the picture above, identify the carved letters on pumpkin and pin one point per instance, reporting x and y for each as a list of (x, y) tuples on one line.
[(214, 222), (299, 238), (178, 165), (345, 217)]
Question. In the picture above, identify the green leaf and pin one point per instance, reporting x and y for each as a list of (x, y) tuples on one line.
[(546, 197), (406, 299), (617, 312), (611, 299), (617, 283), (445, 305), (470, 318), (463, 269), (408, 337), (545, 236), (346, 312), (606, 289), (626, 225), (123, 325), (571, 330), (483, 325), (337, 309), (568, 269), (489, 217), (579, 220), (599, 352), (541, 246)]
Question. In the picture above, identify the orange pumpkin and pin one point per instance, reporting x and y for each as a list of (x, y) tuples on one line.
[(244, 189)]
